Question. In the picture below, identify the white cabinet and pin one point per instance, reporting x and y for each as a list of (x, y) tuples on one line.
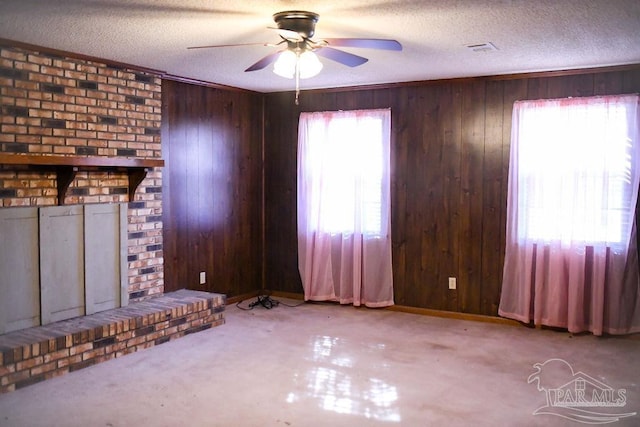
[(78, 268), (19, 269)]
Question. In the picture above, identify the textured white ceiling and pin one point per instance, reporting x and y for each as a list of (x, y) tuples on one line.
[(531, 35)]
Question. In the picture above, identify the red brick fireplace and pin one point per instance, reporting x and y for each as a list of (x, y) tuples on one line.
[(76, 132), (65, 107)]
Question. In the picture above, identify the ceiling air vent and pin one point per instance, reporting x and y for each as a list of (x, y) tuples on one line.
[(482, 47)]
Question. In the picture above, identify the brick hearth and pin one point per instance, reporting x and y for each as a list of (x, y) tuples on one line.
[(32, 355)]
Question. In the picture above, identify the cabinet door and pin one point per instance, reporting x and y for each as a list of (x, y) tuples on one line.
[(103, 247), (19, 274), (61, 263)]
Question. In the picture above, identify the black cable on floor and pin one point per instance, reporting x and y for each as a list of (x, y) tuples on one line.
[(292, 306), (265, 301)]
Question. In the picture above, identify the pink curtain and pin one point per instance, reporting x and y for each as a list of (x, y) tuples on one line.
[(571, 255), (344, 233)]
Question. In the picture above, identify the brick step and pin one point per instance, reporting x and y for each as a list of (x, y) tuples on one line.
[(35, 354)]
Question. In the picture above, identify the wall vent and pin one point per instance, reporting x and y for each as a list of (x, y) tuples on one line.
[(482, 47)]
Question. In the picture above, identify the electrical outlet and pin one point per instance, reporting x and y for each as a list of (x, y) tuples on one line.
[(203, 277), (452, 282)]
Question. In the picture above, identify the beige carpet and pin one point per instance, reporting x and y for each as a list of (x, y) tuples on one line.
[(326, 365)]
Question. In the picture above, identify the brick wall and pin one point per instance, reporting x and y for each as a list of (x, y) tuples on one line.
[(54, 105)]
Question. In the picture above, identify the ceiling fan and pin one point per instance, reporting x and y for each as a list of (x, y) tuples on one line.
[(298, 57)]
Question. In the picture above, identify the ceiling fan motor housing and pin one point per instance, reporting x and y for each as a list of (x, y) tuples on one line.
[(301, 22)]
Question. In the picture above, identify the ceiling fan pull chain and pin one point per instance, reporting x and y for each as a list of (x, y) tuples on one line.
[(297, 77)]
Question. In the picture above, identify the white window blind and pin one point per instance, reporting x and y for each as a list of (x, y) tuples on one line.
[(574, 178), (344, 164)]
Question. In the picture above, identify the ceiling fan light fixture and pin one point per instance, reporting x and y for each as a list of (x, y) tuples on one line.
[(307, 64), (285, 65)]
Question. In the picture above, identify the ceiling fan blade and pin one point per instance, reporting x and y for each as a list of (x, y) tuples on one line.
[(229, 45), (385, 44), (288, 34), (264, 62), (348, 59)]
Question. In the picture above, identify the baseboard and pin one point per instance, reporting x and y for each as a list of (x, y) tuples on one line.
[(254, 294), (418, 310), (453, 315), (242, 297), (290, 295)]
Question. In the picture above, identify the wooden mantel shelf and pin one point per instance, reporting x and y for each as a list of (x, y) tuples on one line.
[(66, 167)]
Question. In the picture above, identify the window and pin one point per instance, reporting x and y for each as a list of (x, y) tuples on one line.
[(573, 170), (344, 165), (571, 257), (344, 238)]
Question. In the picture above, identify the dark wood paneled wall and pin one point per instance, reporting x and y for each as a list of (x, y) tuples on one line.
[(212, 188), (450, 154), (450, 158)]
